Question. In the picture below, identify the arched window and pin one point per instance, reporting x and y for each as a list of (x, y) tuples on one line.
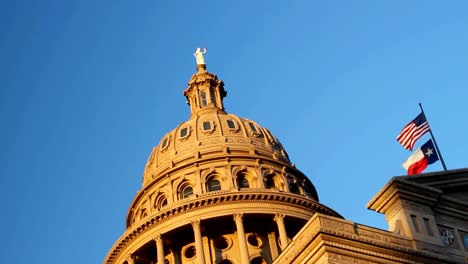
[(294, 186), (212, 96), (160, 202), (306, 191), (269, 181), (242, 181), (186, 191), (143, 213), (213, 184), (163, 202), (203, 98)]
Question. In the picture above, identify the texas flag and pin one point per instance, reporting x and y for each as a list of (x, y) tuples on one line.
[(424, 156)]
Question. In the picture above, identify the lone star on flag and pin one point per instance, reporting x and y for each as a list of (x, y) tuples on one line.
[(429, 152), (419, 160)]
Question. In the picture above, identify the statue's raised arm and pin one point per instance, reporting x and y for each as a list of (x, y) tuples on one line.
[(199, 56)]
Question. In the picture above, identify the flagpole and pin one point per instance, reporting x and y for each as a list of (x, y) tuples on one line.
[(433, 139)]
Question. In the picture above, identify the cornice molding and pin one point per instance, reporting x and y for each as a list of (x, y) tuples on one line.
[(351, 237), (226, 160), (221, 198)]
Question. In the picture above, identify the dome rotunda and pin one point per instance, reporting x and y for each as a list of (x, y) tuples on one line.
[(212, 169), (212, 134)]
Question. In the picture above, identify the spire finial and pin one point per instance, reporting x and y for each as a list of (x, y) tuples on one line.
[(199, 56)]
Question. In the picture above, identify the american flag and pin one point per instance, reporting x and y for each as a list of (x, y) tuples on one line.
[(413, 131)]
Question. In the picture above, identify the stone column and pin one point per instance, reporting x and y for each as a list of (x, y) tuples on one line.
[(130, 260), (273, 245), (198, 242), (279, 219), (159, 248), (244, 252), (206, 244)]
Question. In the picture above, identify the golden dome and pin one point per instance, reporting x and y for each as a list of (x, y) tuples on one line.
[(210, 132), (214, 167), (209, 135)]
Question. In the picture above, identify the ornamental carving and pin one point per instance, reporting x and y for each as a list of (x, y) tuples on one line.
[(195, 224), (238, 217), (279, 217)]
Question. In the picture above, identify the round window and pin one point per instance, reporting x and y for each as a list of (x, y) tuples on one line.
[(222, 242), (190, 252), (254, 240)]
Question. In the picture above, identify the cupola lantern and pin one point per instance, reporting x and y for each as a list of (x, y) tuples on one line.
[(205, 91)]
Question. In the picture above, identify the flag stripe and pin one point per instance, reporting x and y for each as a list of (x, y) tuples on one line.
[(413, 131), (417, 167), (406, 131), (418, 135), (409, 134), (417, 156), (421, 158)]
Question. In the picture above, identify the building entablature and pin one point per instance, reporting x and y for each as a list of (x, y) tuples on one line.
[(333, 240), (431, 209), (211, 175), (215, 205), (398, 190)]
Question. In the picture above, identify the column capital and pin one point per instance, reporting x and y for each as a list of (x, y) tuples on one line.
[(238, 217), (195, 223), (278, 217), (157, 238)]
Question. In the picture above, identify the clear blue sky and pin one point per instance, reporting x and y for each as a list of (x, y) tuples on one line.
[(89, 87)]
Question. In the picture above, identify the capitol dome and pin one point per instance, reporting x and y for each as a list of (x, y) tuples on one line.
[(225, 177), (211, 134)]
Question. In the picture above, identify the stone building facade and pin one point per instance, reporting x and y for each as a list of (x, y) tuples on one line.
[(221, 189)]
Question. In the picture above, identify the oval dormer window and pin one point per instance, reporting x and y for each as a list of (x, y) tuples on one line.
[(165, 142), (184, 132), (254, 129), (232, 125), (207, 126)]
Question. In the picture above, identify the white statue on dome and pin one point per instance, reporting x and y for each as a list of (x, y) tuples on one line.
[(199, 56)]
